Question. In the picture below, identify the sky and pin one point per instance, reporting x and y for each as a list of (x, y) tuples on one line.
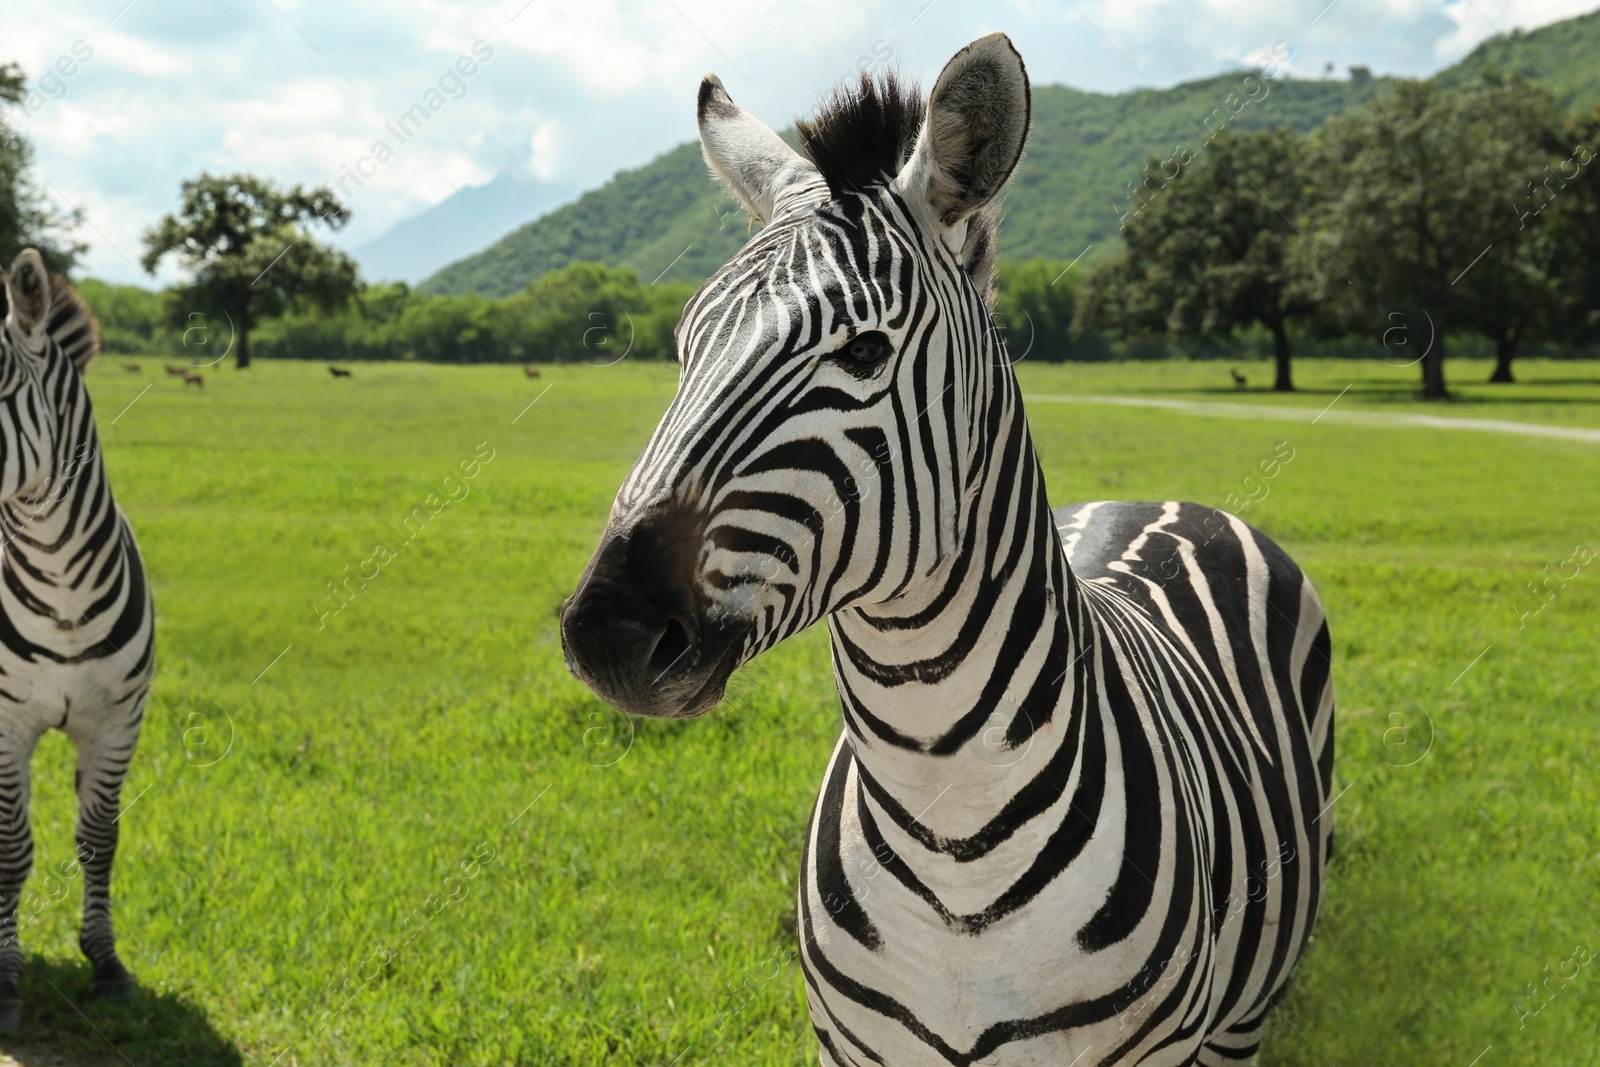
[(568, 93)]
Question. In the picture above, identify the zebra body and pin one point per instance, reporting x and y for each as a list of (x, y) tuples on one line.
[(76, 620), (1090, 921), (1076, 815)]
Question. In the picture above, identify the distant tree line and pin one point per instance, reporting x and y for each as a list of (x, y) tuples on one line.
[(1432, 218), (585, 312), (582, 313)]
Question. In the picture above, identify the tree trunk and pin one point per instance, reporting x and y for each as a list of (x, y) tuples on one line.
[(241, 358), (1433, 370), (1280, 351), (1505, 350)]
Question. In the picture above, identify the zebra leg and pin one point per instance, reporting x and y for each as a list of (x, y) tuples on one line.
[(16, 860), (102, 764)]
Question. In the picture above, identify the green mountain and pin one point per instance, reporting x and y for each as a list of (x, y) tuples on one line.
[(666, 214), (668, 219), (1565, 56)]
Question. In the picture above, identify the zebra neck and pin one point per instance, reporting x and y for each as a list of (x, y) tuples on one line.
[(58, 535), (973, 682)]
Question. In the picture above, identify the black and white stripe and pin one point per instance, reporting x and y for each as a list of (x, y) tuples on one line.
[(1076, 814), (76, 624)]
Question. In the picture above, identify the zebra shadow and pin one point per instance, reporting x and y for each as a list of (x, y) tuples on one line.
[(61, 1029)]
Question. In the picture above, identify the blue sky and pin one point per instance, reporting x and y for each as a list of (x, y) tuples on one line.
[(570, 92)]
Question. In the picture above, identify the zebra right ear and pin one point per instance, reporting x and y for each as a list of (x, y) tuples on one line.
[(27, 292), (972, 137), (758, 169)]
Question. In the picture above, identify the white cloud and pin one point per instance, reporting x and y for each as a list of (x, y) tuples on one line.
[(142, 57), (544, 163)]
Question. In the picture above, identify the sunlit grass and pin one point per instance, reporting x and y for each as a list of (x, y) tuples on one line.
[(332, 857)]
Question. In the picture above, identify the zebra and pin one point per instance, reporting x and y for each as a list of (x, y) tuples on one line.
[(77, 634), (1077, 813)]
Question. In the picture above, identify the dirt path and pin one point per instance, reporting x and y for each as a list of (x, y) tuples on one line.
[(1279, 413)]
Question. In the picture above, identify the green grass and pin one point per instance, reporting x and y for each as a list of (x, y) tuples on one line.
[(285, 820)]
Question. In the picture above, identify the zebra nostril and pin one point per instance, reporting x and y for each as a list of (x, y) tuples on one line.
[(671, 647)]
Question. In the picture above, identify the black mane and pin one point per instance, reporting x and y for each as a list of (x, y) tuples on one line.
[(862, 133), (860, 137)]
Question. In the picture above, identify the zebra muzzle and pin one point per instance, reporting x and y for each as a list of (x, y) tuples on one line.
[(636, 635)]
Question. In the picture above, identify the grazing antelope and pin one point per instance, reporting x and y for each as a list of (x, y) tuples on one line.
[(131, 368), (177, 370), (77, 640), (532, 372), (1239, 380), (338, 372), (194, 378)]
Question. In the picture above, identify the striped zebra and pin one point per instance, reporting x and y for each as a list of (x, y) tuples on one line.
[(77, 634), (1077, 811)]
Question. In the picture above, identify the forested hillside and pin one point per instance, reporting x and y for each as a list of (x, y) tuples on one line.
[(1086, 151), (1565, 56)]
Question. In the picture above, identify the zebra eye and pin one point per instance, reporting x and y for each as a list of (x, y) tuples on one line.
[(865, 350)]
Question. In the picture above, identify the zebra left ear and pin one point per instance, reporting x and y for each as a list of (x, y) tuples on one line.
[(972, 137), (27, 292), (753, 163)]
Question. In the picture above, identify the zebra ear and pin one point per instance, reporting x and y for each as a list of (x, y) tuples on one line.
[(763, 174), (973, 135), (28, 292)]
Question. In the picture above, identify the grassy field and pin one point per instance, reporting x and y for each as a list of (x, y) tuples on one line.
[(390, 829)]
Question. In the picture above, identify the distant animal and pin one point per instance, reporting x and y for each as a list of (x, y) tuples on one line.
[(532, 372), (194, 378), (79, 649), (177, 370), (338, 372), (1079, 810), (131, 368), (1239, 380)]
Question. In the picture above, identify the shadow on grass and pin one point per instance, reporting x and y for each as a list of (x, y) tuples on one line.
[(144, 1028)]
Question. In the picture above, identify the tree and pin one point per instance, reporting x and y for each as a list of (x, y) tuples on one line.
[(1520, 301), (27, 219), (248, 246), (1035, 307), (1574, 231), (1413, 207), (1209, 253)]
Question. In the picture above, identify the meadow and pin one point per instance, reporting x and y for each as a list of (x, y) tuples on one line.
[(384, 826)]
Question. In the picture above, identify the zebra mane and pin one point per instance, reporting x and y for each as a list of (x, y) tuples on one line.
[(71, 322), (861, 136)]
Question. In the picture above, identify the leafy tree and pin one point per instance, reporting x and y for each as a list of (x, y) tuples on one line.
[(1574, 231), (1413, 207), (1210, 253), (249, 247), (27, 219), (1035, 304), (132, 320), (1520, 300)]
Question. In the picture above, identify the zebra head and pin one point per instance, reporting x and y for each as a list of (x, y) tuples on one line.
[(27, 426), (838, 385)]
